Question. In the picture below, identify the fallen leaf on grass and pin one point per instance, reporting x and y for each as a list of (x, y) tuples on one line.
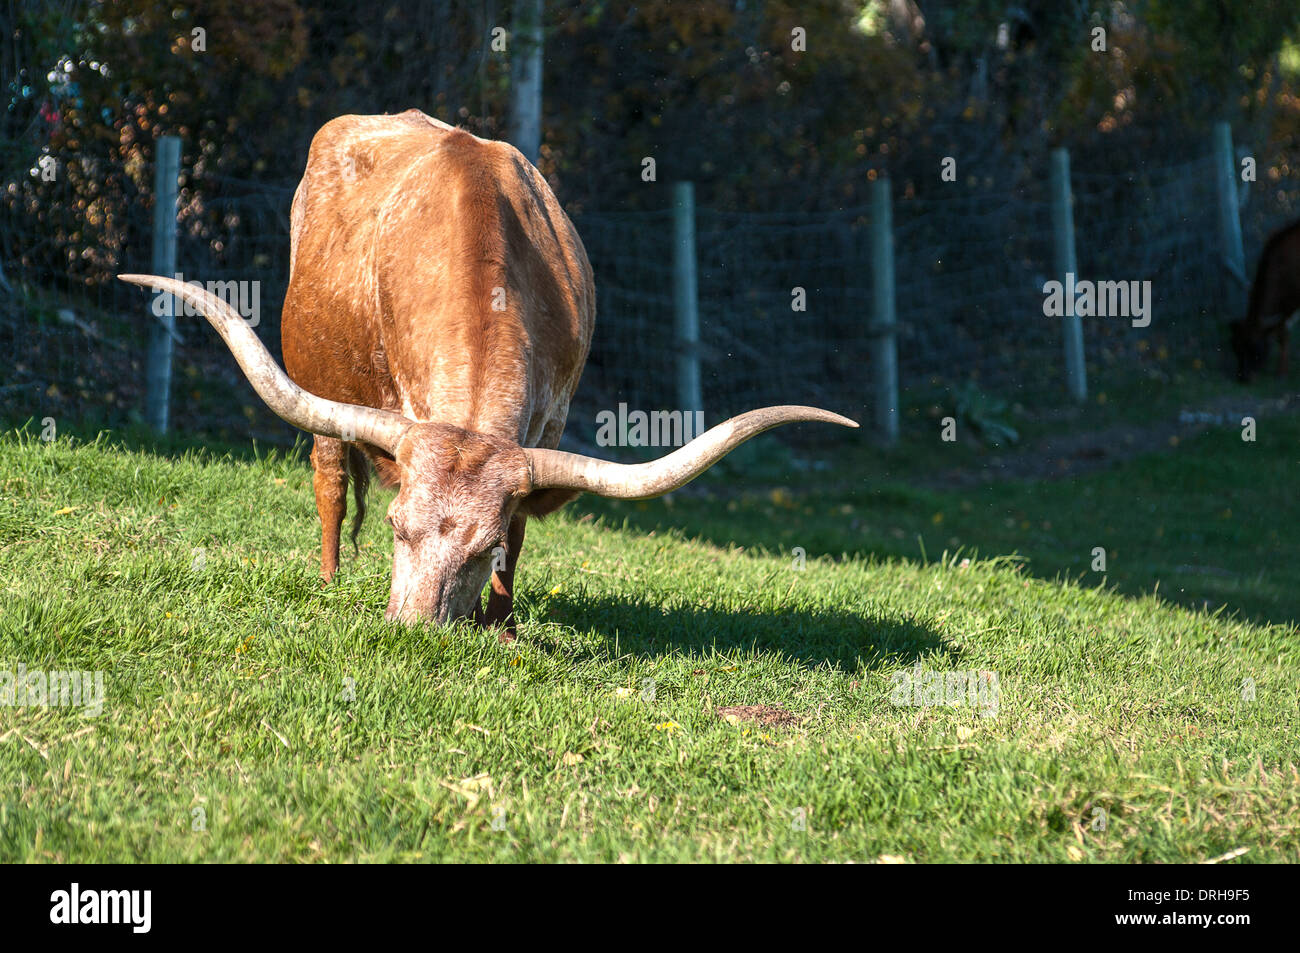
[(471, 788), (1230, 855)]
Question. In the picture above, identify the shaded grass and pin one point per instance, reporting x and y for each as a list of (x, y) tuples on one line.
[(1205, 522)]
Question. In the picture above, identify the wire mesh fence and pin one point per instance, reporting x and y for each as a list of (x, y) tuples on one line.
[(970, 273), (970, 269)]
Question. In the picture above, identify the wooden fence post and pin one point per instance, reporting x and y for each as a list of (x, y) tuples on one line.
[(1064, 263), (158, 369), (686, 308), (526, 79), (1225, 181), (884, 323)]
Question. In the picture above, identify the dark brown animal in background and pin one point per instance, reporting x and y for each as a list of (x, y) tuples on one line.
[(1274, 298), (439, 312)]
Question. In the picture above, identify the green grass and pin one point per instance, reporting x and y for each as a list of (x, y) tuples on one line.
[(307, 728), (1206, 523)]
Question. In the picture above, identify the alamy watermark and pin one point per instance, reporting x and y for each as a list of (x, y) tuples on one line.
[(925, 689), (658, 428), (244, 297), (1098, 299), (133, 908), (21, 688)]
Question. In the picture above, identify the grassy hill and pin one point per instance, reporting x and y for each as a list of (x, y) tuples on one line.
[(251, 714)]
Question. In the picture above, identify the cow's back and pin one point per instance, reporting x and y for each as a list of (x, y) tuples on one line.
[(408, 235)]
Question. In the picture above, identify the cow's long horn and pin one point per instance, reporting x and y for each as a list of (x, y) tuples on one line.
[(380, 428), (640, 481)]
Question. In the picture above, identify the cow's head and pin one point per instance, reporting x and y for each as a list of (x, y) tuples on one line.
[(458, 492), (458, 489), (1251, 349)]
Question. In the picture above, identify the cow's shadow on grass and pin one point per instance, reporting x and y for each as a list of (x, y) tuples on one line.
[(814, 638)]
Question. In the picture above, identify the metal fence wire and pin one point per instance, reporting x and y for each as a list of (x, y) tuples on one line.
[(969, 271)]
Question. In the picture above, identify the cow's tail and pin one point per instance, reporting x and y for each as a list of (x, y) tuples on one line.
[(359, 474)]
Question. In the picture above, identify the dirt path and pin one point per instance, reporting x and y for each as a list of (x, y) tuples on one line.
[(1072, 453)]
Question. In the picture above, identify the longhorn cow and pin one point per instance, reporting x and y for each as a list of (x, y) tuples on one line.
[(438, 316)]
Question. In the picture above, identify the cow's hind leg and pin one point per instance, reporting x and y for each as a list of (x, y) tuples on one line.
[(501, 600), (329, 458)]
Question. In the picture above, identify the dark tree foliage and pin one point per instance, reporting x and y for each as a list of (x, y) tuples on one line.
[(767, 105)]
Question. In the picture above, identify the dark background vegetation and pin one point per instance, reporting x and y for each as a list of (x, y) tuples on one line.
[(782, 146), (711, 88)]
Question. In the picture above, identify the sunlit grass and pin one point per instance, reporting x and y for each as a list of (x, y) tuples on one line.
[(254, 715)]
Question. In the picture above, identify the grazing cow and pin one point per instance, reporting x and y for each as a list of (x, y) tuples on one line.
[(439, 312), (1274, 298)]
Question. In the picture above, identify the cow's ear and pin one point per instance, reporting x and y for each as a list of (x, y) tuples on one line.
[(541, 503), (390, 474)]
